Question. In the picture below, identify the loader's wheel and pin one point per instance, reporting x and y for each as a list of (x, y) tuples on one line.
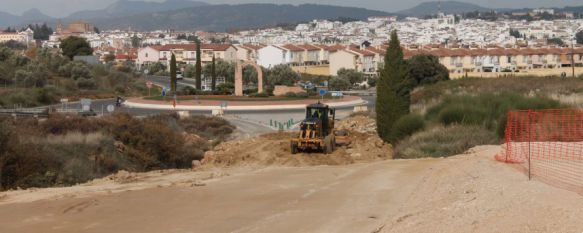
[(294, 148), (329, 147)]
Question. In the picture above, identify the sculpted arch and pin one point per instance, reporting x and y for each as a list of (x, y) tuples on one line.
[(239, 77)]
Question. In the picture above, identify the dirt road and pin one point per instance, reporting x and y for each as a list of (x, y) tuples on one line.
[(354, 198), (465, 193)]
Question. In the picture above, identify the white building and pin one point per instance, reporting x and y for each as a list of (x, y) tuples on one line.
[(24, 37), (272, 55)]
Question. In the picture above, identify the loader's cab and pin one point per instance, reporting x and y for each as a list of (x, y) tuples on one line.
[(322, 113)]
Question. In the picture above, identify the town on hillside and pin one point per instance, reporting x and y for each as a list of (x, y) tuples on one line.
[(471, 46)]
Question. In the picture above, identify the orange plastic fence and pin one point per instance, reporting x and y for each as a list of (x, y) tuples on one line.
[(547, 145)]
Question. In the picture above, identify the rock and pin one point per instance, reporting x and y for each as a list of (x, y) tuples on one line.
[(119, 146), (198, 183), (196, 164)]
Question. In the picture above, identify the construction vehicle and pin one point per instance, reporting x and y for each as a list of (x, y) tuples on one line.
[(316, 130)]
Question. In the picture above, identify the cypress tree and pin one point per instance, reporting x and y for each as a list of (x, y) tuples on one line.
[(198, 67), (213, 74), (173, 73), (393, 90)]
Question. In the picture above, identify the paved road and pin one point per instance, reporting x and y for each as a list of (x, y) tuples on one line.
[(248, 121), (353, 198)]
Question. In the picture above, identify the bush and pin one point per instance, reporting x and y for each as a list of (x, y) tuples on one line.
[(302, 95), (47, 96), (444, 141), (259, 95), (406, 126), (468, 115), (338, 84), (488, 110), (291, 95), (87, 84)]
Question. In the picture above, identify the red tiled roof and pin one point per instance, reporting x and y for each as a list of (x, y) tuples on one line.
[(125, 57), (334, 48), (308, 47), (252, 46), (192, 47), (377, 51), (361, 52), (292, 48)]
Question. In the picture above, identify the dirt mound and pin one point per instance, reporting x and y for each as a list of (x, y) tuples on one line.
[(358, 123), (274, 149)]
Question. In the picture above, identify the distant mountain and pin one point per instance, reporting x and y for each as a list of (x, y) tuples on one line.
[(34, 15), (124, 8), (574, 9), (448, 7), (223, 17), (28, 17), (7, 19)]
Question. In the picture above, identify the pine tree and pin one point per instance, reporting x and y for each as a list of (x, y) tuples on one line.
[(213, 74), (198, 67), (393, 90), (173, 73)]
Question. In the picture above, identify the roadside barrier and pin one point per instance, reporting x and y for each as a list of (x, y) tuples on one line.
[(547, 145)]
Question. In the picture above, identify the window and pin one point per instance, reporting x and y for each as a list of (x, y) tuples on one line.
[(146, 54)]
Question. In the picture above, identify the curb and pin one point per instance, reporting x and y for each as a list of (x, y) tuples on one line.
[(130, 104)]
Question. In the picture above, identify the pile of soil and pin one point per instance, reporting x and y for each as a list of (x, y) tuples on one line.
[(359, 123), (274, 149)]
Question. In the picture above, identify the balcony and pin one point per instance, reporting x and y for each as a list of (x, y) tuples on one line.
[(459, 64)]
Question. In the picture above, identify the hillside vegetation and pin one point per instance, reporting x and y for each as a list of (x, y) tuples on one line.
[(65, 150), (43, 77), (450, 117)]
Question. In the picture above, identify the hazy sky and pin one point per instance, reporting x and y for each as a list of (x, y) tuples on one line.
[(60, 8)]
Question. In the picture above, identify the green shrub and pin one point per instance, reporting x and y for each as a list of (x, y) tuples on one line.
[(259, 95), (406, 126), (302, 95), (87, 84), (488, 110), (444, 141), (290, 95), (461, 114)]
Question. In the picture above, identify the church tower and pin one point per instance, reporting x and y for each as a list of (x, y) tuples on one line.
[(60, 27)]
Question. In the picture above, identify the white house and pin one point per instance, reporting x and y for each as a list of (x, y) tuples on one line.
[(148, 55), (272, 55)]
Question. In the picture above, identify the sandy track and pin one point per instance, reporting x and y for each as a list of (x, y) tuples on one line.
[(475, 193), (353, 198), (466, 193)]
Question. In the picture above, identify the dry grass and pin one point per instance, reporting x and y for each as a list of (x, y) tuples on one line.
[(520, 85), (443, 141), (93, 138)]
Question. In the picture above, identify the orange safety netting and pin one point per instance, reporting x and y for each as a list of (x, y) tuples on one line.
[(547, 145)]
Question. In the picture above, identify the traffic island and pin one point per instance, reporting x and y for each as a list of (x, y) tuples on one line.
[(235, 103)]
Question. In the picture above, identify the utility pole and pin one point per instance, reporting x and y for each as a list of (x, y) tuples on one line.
[(573, 57)]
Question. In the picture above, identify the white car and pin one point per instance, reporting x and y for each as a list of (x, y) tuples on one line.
[(179, 76)]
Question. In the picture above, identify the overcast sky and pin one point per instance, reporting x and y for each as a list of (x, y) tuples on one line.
[(61, 8)]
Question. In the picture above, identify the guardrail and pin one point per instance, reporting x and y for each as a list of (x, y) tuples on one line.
[(43, 112)]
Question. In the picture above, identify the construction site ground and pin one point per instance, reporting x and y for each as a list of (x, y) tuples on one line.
[(256, 185)]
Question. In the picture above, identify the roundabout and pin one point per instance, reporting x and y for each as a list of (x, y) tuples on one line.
[(234, 103)]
